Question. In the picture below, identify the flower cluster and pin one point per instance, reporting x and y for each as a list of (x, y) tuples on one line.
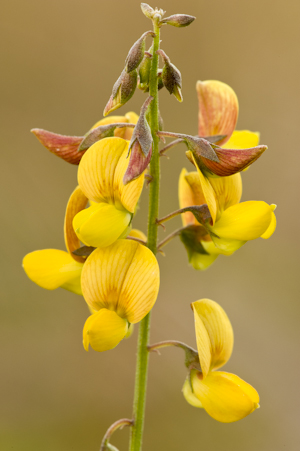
[(118, 277), (231, 223), (114, 266)]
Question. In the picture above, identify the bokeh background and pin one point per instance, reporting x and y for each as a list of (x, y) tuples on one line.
[(59, 61)]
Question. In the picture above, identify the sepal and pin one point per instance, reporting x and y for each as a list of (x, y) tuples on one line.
[(65, 147), (230, 161)]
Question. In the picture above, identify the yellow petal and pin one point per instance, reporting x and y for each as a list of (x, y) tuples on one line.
[(190, 193), (135, 233), (242, 139), (202, 261), (218, 109), (104, 330), (189, 395), (123, 277), (76, 203), (132, 118), (129, 331), (245, 221), (208, 193), (271, 229), (212, 249), (228, 191), (101, 171), (225, 396), (214, 334), (101, 224), (52, 268)]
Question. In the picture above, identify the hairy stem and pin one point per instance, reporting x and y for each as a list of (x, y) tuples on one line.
[(144, 329)]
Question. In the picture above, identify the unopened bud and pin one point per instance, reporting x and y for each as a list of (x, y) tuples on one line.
[(179, 20), (171, 76), (147, 10), (140, 146), (65, 147), (136, 53), (122, 91), (144, 71)]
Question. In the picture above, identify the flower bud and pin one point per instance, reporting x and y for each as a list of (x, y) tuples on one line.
[(136, 53), (122, 91), (179, 20), (140, 146), (147, 10), (65, 147), (144, 71), (171, 77)]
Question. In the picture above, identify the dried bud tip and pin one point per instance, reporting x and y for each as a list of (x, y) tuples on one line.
[(65, 147), (179, 20)]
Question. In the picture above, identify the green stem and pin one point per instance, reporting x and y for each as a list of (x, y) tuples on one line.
[(144, 329)]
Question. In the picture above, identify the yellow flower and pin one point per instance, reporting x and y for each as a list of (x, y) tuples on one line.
[(53, 268), (120, 283), (232, 223), (100, 177), (218, 113), (224, 396)]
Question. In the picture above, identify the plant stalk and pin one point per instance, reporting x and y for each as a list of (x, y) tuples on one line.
[(144, 328)]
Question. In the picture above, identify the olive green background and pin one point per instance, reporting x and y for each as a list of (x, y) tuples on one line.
[(59, 60)]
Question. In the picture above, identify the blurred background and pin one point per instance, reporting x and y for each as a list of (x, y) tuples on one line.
[(60, 59)]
